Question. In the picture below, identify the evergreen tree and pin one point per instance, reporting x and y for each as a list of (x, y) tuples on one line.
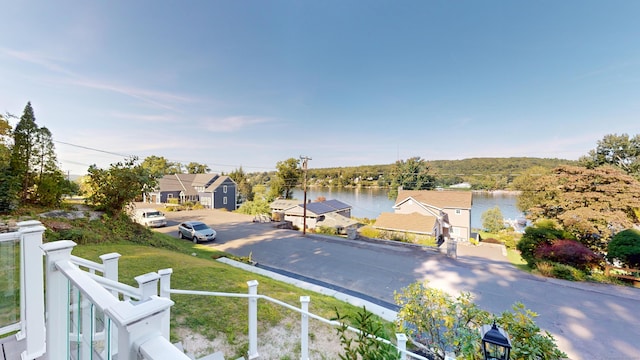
[(244, 187), (23, 154)]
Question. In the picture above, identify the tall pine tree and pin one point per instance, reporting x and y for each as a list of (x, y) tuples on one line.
[(33, 164)]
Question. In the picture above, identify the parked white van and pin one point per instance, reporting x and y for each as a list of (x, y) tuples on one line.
[(150, 217)]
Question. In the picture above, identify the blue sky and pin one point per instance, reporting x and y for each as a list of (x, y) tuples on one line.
[(250, 83)]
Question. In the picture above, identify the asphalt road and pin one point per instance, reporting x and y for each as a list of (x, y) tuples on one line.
[(589, 321)]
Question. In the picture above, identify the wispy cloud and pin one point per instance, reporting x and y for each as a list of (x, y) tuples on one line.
[(45, 61), (160, 99), (233, 123), (145, 117)]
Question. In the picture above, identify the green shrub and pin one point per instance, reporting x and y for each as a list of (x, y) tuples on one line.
[(326, 230), (566, 272), (197, 206), (369, 232), (255, 207), (441, 323), (545, 268), (625, 247), (541, 233), (364, 345)]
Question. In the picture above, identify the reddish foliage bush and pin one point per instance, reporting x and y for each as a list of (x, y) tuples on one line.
[(569, 252)]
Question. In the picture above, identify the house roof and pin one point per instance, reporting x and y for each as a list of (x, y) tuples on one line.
[(442, 199), (413, 222), (336, 221), (219, 181), (177, 182), (187, 182), (337, 204), (283, 204), (203, 179)]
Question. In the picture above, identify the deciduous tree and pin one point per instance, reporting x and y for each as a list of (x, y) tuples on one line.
[(114, 189), (286, 179), (160, 166), (196, 168), (589, 203), (493, 220), (621, 151), (412, 174)]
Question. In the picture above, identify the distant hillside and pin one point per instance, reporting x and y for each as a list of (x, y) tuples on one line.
[(481, 173)]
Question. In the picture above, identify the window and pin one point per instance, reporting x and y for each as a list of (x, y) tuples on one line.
[(224, 189), (224, 199)]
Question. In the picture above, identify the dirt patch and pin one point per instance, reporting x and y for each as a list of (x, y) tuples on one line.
[(278, 342)]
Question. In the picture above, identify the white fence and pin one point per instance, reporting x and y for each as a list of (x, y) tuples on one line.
[(90, 315)]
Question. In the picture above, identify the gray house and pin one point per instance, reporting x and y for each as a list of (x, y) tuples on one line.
[(330, 213), (211, 190)]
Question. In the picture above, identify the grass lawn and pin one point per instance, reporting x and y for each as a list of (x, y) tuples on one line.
[(194, 268)]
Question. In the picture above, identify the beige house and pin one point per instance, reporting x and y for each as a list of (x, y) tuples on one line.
[(431, 212)]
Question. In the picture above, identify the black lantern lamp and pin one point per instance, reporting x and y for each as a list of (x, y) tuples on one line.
[(495, 343)]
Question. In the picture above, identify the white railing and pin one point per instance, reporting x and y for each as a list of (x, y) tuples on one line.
[(90, 315), (303, 310), (31, 324), (86, 318)]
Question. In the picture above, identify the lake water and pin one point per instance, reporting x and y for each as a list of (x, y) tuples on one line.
[(369, 203)]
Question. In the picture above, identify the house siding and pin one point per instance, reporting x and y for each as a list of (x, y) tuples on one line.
[(225, 200)]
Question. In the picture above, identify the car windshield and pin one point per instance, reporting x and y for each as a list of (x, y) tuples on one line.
[(200, 227), (154, 214)]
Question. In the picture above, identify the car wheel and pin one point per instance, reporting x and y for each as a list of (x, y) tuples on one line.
[(180, 234), (195, 239)]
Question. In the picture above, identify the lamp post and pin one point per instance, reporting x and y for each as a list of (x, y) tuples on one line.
[(495, 343)]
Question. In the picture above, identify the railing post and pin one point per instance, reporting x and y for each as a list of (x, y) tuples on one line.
[(253, 319), (110, 263), (32, 314), (304, 328), (401, 339), (148, 284), (57, 299), (165, 292), (111, 272), (137, 323)]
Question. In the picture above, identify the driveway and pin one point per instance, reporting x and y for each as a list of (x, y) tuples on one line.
[(589, 321)]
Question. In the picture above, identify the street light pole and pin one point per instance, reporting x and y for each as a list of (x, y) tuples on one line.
[(304, 159)]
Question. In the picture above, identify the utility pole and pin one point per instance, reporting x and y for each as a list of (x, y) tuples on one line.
[(305, 160)]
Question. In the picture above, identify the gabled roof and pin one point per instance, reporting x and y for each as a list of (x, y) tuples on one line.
[(320, 208), (336, 204), (187, 182), (317, 208), (284, 204), (336, 221), (442, 199), (219, 181), (203, 179), (177, 182), (413, 222)]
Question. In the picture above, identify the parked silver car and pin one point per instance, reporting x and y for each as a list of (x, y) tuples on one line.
[(196, 231)]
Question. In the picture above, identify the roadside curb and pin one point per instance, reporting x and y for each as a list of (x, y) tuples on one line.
[(376, 309)]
